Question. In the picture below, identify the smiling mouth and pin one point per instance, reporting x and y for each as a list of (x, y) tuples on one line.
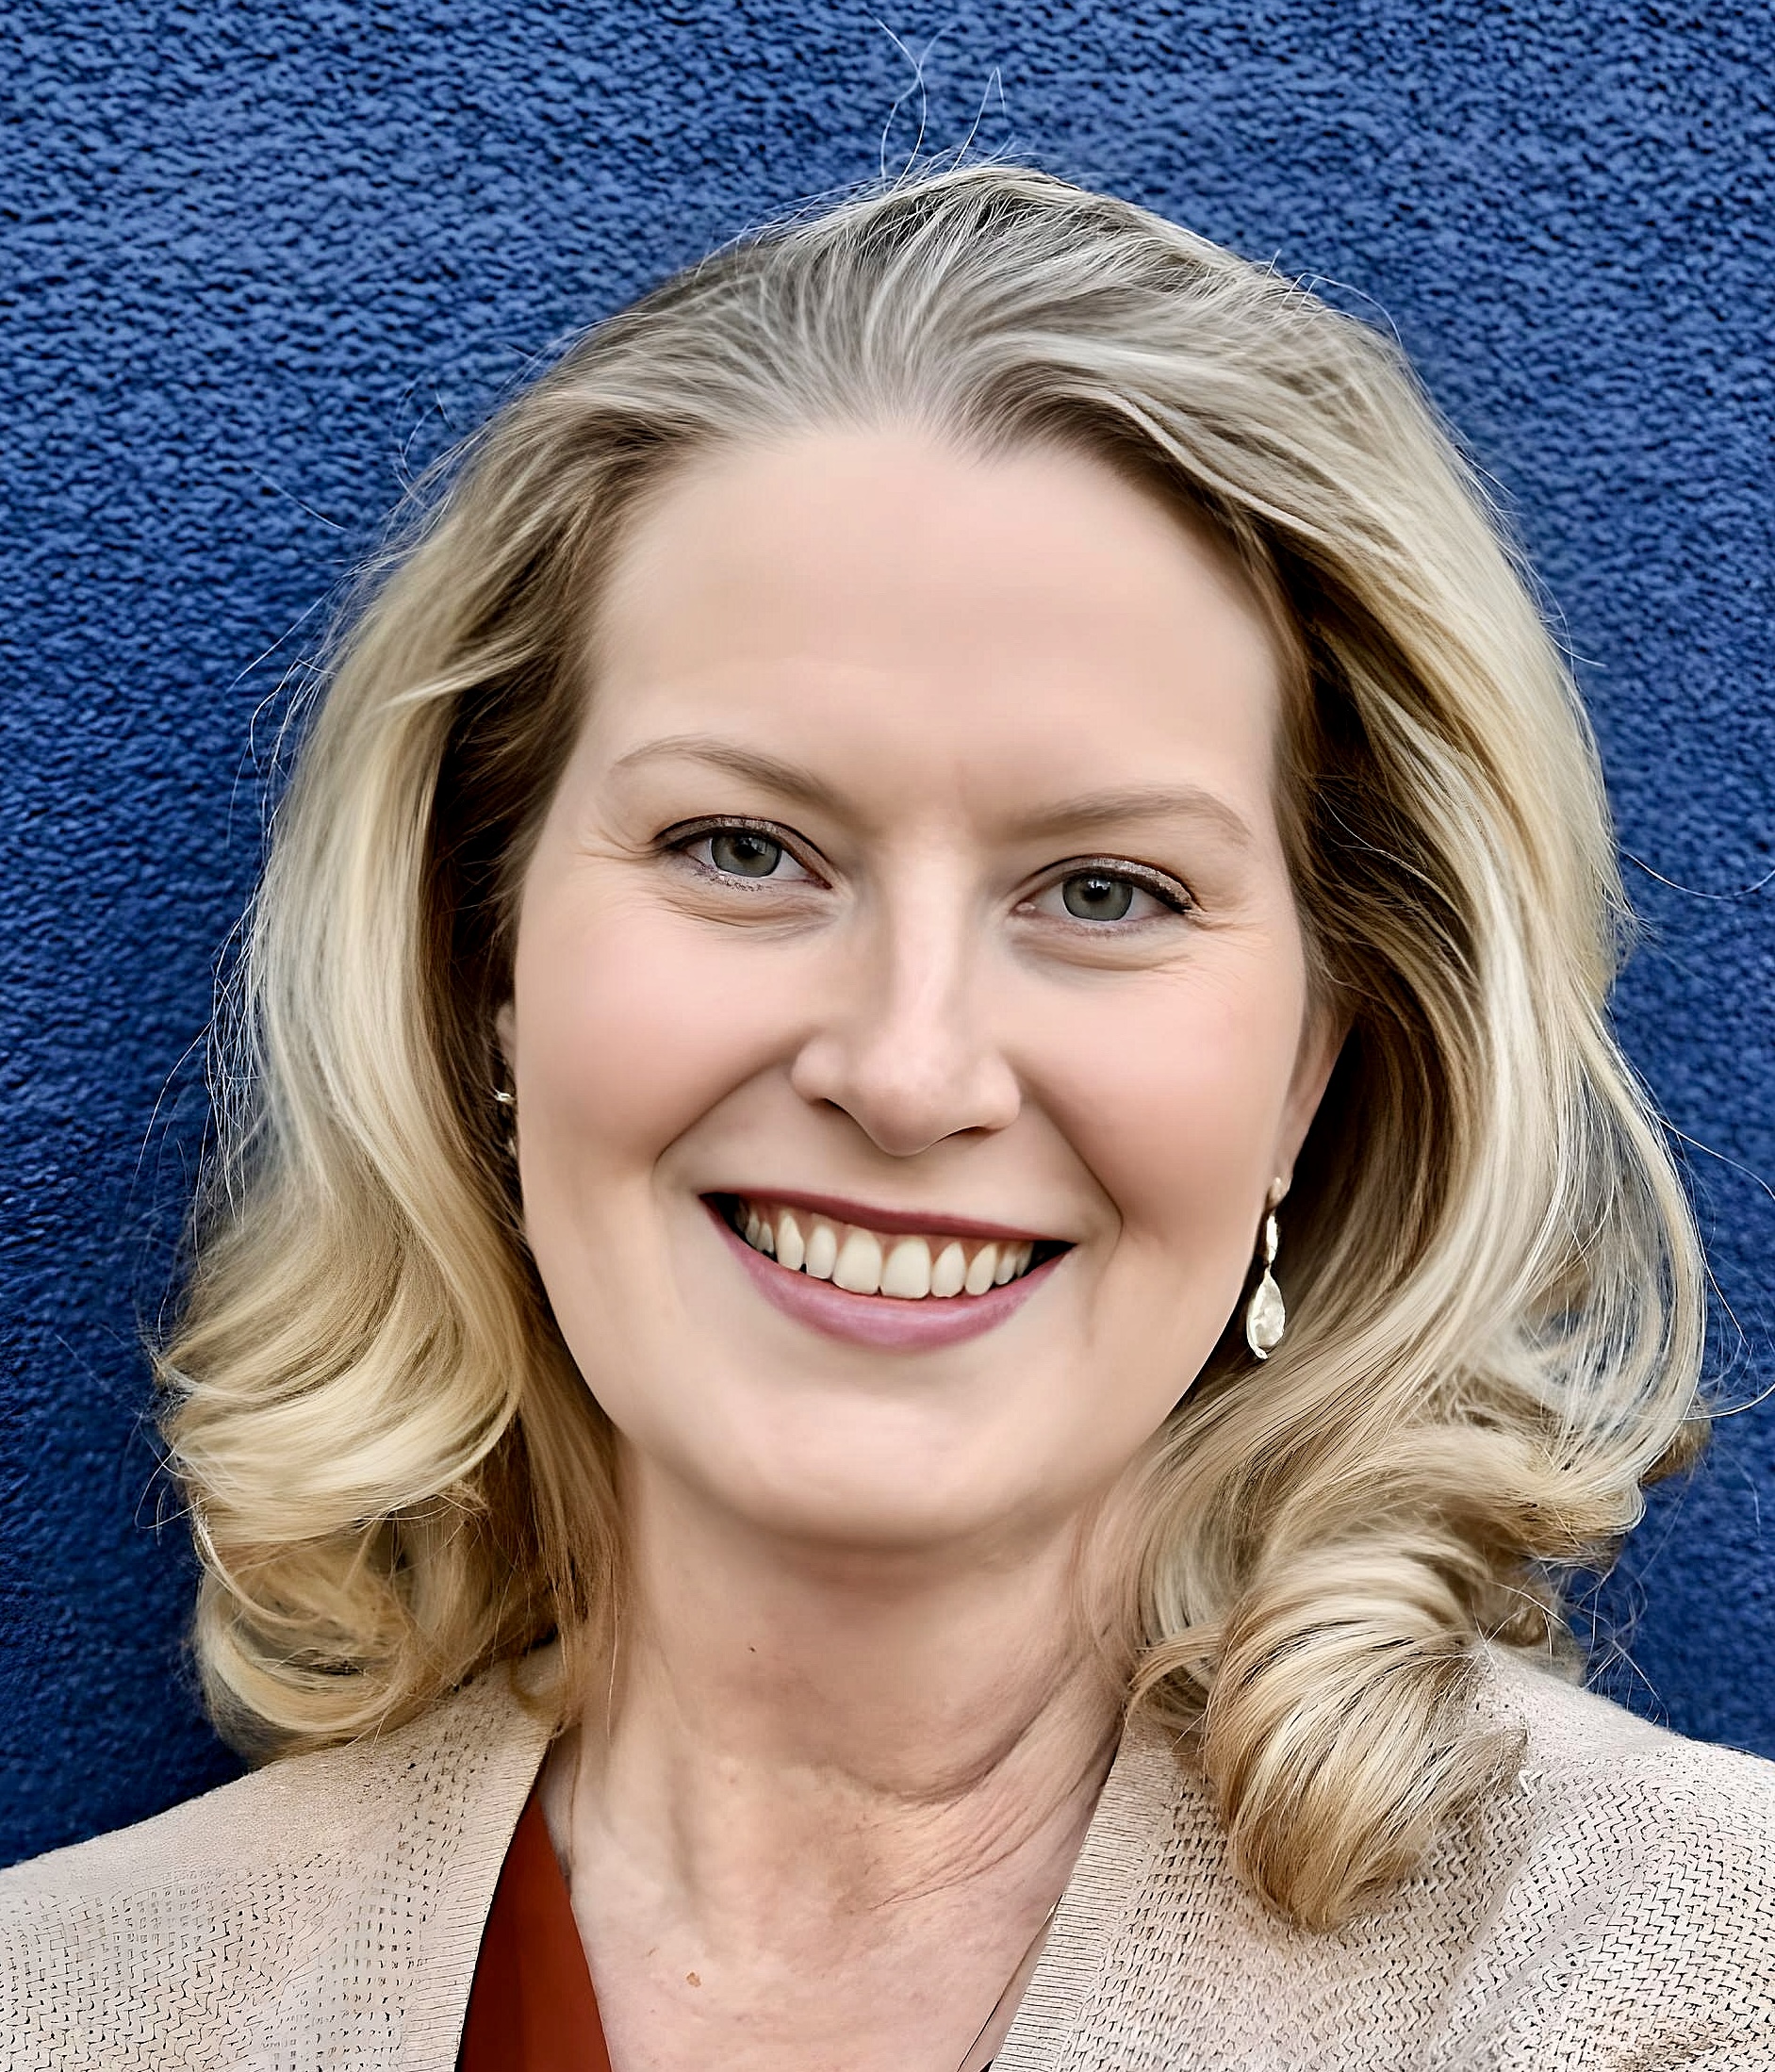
[(905, 1266)]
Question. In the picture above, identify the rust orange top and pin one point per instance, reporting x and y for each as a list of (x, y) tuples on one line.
[(532, 2007)]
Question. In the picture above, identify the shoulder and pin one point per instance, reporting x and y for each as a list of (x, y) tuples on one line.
[(332, 1901), (1614, 1909), (1639, 1916), (316, 1808), (1589, 1766)]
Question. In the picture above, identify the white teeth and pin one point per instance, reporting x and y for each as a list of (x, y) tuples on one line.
[(863, 1264), (791, 1246), (822, 1251), (859, 1267), (907, 1272)]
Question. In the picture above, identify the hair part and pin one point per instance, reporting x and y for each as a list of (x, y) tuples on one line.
[(397, 1477)]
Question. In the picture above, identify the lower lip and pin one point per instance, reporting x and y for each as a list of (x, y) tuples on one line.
[(884, 1321)]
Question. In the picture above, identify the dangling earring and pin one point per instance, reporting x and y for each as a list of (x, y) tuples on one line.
[(1266, 1314), (508, 1101)]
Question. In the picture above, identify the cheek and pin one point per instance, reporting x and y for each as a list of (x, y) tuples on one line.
[(630, 1027), (1176, 1098)]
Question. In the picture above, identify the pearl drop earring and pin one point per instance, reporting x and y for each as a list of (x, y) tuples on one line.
[(1266, 1313)]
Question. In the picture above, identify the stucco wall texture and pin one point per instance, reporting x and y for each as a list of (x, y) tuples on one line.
[(261, 261)]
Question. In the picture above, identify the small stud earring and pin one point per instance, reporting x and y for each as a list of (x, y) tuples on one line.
[(1266, 1314)]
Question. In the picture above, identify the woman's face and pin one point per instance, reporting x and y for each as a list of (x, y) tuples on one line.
[(914, 899)]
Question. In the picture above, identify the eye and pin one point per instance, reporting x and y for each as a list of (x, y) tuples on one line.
[(1102, 895), (1094, 896), (743, 852), (740, 850)]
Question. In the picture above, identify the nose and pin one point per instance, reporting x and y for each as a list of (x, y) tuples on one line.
[(907, 1050)]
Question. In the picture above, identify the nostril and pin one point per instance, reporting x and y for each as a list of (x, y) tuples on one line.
[(907, 1095)]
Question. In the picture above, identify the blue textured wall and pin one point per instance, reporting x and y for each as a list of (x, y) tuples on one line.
[(259, 259)]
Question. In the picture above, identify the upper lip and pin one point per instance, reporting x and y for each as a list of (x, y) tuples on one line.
[(900, 1221)]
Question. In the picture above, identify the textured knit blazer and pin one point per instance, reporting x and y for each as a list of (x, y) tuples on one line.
[(1616, 1910)]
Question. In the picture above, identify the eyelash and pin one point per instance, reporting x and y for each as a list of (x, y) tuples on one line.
[(1168, 891), (680, 839)]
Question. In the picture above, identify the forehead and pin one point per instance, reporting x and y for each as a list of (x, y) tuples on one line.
[(892, 602)]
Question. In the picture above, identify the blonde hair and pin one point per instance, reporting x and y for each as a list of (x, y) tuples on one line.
[(395, 1473)]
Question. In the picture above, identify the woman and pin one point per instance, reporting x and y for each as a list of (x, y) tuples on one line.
[(934, 1245)]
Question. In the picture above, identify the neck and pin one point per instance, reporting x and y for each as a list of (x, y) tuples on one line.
[(905, 1722)]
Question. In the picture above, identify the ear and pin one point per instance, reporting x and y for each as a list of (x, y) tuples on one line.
[(506, 1035), (1323, 1037)]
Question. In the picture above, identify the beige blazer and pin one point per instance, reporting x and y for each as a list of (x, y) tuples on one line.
[(1616, 1911)]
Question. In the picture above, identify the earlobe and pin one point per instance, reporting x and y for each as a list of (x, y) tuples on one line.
[(1321, 1046), (505, 1036)]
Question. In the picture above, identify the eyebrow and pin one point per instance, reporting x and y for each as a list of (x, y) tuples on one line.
[(1140, 802), (787, 778)]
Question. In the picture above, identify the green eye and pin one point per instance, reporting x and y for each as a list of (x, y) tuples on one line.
[(1094, 896), (743, 852)]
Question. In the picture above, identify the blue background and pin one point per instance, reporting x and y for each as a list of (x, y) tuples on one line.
[(260, 261)]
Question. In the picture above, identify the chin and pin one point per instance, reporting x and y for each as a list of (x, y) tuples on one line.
[(867, 1498)]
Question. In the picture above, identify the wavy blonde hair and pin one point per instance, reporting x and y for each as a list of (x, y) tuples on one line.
[(396, 1476)]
